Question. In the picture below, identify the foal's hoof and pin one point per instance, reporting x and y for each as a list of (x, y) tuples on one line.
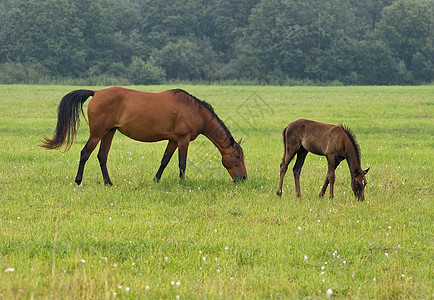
[(156, 180), (279, 193)]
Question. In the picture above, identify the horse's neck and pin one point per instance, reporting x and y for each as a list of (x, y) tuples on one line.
[(353, 162), (216, 134)]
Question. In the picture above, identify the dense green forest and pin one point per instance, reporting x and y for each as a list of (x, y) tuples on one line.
[(260, 41)]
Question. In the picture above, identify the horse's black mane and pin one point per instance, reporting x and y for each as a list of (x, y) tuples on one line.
[(353, 140), (210, 109)]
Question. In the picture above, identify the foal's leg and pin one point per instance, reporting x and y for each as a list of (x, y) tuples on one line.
[(84, 156), (301, 156), (170, 149), (325, 185), (182, 153), (103, 153), (287, 157), (330, 177)]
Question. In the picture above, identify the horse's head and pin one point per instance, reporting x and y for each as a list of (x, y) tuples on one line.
[(358, 183), (233, 161)]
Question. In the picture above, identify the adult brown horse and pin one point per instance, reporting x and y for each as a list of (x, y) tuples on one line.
[(172, 115), (336, 143)]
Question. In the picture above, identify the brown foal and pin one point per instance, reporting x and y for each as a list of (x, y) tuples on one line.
[(336, 143)]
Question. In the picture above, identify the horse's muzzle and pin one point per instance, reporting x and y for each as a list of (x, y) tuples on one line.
[(240, 178)]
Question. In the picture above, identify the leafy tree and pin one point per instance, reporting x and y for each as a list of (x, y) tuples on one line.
[(353, 41), (45, 31), (65, 36), (407, 27), (187, 59), (375, 64), (223, 23), (11, 72), (148, 72), (299, 38), (368, 13)]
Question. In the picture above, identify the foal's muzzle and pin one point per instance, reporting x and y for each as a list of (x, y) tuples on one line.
[(360, 196), (240, 178)]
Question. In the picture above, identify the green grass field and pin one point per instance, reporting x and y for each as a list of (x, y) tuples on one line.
[(207, 237)]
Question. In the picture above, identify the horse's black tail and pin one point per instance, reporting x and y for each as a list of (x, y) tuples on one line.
[(68, 119)]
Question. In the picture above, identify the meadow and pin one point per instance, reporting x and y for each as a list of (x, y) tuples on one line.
[(206, 237)]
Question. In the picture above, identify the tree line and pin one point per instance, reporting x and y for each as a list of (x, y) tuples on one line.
[(375, 42)]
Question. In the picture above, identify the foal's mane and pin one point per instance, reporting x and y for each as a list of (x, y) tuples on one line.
[(353, 140), (209, 107)]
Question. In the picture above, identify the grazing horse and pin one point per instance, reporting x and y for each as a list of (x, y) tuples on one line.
[(172, 115), (336, 143)]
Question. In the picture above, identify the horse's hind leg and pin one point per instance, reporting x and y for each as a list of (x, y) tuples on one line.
[(287, 157), (84, 156), (170, 149), (103, 154), (301, 156)]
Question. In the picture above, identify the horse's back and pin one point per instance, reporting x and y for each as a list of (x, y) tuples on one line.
[(315, 137), (142, 116), (115, 95)]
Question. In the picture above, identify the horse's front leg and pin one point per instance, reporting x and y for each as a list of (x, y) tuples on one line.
[(330, 178), (182, 153), (332, 183), (325, 185), (170, 149)]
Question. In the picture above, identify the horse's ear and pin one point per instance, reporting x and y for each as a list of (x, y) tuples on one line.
[(366, 171), (239, 142), (358, 172)]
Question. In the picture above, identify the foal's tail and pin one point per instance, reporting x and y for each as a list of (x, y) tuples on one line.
[(68, 120), (284, 141)]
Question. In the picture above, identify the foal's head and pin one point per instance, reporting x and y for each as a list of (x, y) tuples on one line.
[(233, 161), (358, 183)]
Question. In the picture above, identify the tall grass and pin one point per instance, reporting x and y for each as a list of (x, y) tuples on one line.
[(206, 237)]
